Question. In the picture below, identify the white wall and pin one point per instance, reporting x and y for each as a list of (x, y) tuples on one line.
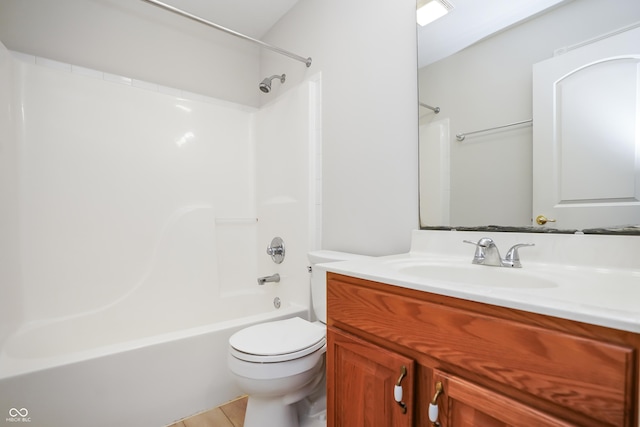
[(366, 52), (134, 39), (10, 291), (490, 84)]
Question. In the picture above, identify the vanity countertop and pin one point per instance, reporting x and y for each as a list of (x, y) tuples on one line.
[(587, 278)]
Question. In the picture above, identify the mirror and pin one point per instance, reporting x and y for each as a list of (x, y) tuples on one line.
[(486, 180)]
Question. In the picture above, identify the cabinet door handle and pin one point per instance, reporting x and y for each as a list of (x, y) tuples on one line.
[(397, 390), (433, 406)]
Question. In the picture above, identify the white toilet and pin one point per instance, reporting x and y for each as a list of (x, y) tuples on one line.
[(280, 364)]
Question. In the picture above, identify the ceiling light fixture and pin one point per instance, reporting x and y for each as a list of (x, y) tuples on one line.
[(430, 10)]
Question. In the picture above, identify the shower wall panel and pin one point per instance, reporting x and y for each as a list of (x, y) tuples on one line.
[(121, 189), (286, 187)]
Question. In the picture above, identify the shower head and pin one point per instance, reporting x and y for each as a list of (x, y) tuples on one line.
[(265, 85)]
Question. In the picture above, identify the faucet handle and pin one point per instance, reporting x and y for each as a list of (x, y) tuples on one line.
[(484, 248), (479, 249), (483, 242), (512, 258)]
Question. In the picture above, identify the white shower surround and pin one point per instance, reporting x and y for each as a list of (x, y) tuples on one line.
[(140, 220)]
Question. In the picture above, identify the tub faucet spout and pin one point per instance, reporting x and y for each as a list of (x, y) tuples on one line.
[(272, 278)]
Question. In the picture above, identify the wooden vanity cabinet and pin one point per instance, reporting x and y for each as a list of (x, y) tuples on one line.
[(498, 366)]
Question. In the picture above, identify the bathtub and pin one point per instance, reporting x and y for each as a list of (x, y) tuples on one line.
[(139, 379)]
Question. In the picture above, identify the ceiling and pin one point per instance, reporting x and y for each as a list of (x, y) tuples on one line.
[(468, 22), (471, 21), (252, 18)]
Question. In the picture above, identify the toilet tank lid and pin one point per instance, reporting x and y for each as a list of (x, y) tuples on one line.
[(320, 256)]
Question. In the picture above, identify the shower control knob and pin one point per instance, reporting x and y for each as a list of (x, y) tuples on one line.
[(276, 250)]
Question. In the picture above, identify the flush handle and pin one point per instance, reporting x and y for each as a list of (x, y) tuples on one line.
[(397, 389), (433, 406)]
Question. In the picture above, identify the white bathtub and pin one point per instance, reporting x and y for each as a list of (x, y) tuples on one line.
[(64, 374)]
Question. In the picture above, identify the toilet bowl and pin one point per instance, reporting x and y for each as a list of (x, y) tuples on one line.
[(279, 364)]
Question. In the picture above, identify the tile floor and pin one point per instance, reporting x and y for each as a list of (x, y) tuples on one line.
[(228, 415)]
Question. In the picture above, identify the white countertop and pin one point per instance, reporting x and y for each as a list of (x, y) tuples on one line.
[(587, 278)]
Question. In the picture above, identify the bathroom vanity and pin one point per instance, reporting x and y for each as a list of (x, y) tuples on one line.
[(483, 355)]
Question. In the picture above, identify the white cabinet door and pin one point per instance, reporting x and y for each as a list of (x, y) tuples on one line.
[(586, 136)]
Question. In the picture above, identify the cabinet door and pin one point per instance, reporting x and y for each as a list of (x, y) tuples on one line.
[(361, 378), (466, 404)]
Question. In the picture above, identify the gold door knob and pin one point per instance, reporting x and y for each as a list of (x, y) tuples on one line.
[(542, 220)]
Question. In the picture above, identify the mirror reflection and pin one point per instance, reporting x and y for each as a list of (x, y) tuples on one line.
[(479, 77)]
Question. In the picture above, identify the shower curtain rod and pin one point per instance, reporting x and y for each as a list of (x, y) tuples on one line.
[(435, 109), (462, 135), (181, 12)]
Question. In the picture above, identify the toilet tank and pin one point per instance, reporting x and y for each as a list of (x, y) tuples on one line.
[(319, 278)]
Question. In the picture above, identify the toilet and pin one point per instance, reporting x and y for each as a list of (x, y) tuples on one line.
[(281, 364)]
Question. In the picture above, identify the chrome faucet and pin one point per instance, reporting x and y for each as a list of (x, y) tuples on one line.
[(487, 253), (272, 278)]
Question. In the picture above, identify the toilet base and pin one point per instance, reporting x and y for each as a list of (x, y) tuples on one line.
[(271, 412), (319, 420), (291, 410), (263, 412)]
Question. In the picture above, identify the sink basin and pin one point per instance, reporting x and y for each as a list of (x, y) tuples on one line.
[(469, 274), (591, 279)]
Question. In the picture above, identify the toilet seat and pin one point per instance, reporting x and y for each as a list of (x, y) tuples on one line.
[(278, 341)]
